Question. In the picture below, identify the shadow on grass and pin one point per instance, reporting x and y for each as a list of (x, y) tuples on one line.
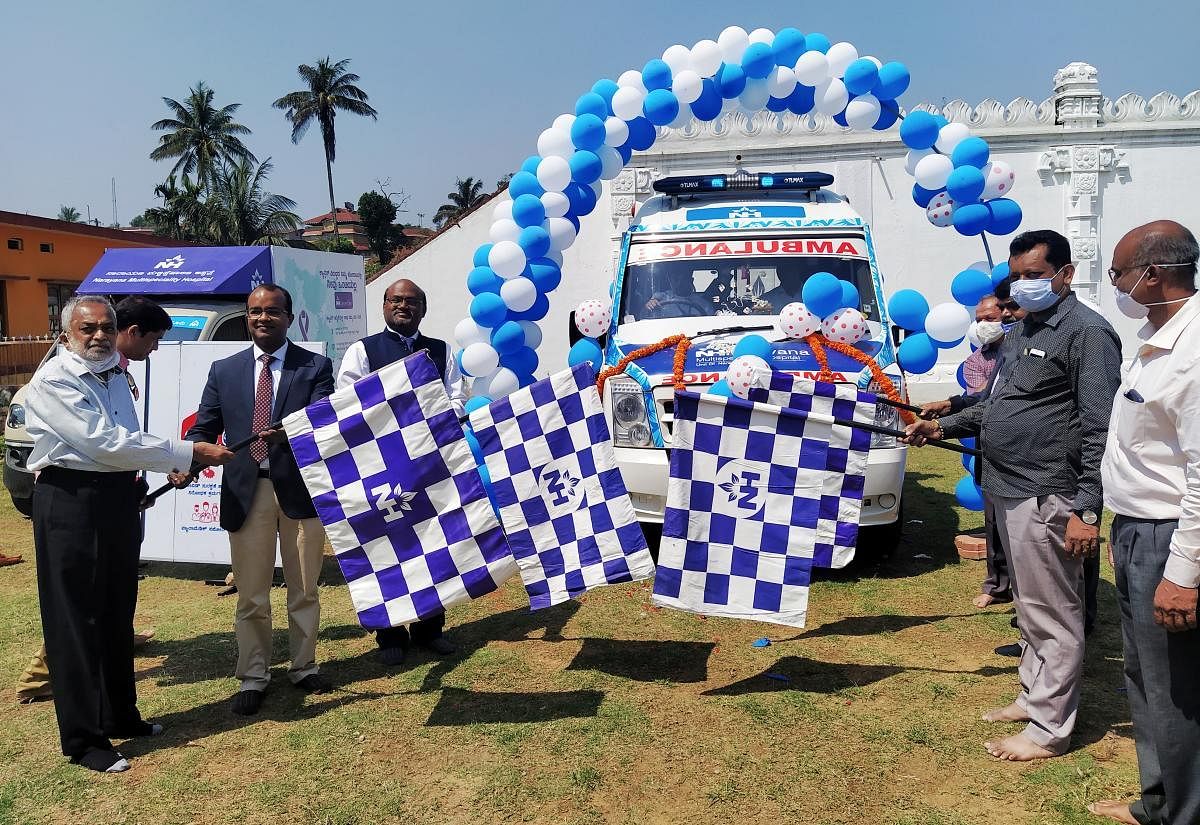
[(873, 625), (467, 707), (814, 676), (645, 661), (1103, 705)]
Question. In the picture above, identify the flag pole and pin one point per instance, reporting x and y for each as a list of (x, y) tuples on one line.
[(196, 467)]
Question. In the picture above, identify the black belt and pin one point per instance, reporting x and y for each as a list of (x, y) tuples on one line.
[(263, 472), (88, 476)]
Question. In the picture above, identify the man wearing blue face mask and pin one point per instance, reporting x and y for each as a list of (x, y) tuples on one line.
[(1043, 429)]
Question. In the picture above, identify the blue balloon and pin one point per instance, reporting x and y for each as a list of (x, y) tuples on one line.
[(545, 274), (508, 338), (587, 131), (917, 354), (850, 297), (525, 380), (530, 165), (753, 345), (656, 75), (777, 104), (889, 113), (1006, 216), (722, 389), (708, 105), (817, 42), (476, 402), (968, 461), (482, 279), (525, 183), (971, 218), (971, 151), (582, 198), (908, 309), (968, 494), (940, 120), (960, 376), (999, 272), (800, 102), (822, 294), (731, 80), (528, 210), (840, 119), (606, 89), (591, 103), (968, 442), (965, 184), (585, 166), (893, 81), (919, 130), (536, 312), (473, 443), (641, 134), (787, 46), (661, 107), (626, 152), (971, 286), (488, 309), (481, 255), (574, 221), (523, 361), (758, 60), (860, 76), (922, 196), (534, 241), (585, 349)]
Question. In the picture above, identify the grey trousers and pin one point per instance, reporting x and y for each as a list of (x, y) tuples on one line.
[(1049, 592), (997, 583), (1162, 677)]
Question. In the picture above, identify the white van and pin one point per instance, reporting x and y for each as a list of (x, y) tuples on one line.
[(716, 257)]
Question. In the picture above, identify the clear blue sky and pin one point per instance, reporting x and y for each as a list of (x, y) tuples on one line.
[(465, 88)]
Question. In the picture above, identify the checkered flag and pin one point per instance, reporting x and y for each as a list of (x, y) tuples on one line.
[(758, 494), (565, 509), (400, 495)]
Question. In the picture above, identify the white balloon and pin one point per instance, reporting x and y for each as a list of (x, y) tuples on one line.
[(507, 259), (982, 266), (592, 317), (846, 326), (556, 204), (950, 136), (706, 58), (940, 211), (480, 359), (863, 112), (762, 36), (998, 180), (678, 58), (913, 158), (948, 322), (611, 164), (932, 171), (554, 142), (840, 56), (687, 86), (564, 122), (781, 82), (467, 332), (754, 97), (733, 42), (597, 187), (812, 69), (797, 321), (503, 210), (554, 254), (632, 78), (562, 233), (554, 173), (829, 98), (533, 333), (683, 118), (518, 294), (504, 382), (878, 63), (627, 102), (504, 230), (746, 372), (616, 131)]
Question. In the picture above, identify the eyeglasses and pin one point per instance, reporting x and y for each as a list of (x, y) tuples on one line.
[(270, 312), (402, 300), (1115, 274)]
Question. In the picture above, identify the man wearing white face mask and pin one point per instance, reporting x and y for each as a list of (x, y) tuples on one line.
[(1152, 482), (1042, 429)]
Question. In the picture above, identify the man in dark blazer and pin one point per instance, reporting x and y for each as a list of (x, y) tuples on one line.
[(262, 493)]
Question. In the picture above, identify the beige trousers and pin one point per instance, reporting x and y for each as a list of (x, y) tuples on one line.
[(301, 543), (34, 683)]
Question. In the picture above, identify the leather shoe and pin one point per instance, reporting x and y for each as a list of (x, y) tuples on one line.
[(1013, 650), (440, 646), (247, 702), (314, 683), (391, 656)]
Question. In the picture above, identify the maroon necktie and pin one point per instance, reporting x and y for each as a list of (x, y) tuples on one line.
[(263, 398)]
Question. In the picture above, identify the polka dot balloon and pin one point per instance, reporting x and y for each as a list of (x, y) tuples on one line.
[(940, 210), (796, 321), (592, 317), (998, 180), (745, 372), (846, 326)]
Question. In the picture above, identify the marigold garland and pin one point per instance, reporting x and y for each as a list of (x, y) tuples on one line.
[(681, 344), (818, 342)]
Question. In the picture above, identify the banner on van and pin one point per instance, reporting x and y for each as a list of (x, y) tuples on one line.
[(779, 247)]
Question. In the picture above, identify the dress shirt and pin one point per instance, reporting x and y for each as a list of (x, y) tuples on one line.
[(276, 373), (1044, 424), (355, 366), (83, 421), (977, 369), (1152, 464)]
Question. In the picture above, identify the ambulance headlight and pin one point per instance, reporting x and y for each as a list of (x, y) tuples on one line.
[(885, 416), (629, 408), (631, 425)]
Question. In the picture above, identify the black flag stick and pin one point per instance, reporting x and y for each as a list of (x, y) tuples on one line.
[(195, 468)]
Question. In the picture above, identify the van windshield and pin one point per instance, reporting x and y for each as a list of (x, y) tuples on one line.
[(723, 277), (185, 327)]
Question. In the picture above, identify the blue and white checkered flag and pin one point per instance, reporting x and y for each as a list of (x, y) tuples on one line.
[(756, 492), (564, 505), (394, 482)]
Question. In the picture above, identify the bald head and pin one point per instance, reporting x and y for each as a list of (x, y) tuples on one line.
[(404, 307), (1167, 244)]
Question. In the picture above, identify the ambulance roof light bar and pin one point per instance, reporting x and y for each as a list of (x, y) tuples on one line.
[(742, 182)]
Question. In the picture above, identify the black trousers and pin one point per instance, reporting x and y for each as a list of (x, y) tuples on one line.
[(87, 534), (425, 630)]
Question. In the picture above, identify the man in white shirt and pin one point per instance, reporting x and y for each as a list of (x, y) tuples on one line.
[(1151, 476), (87, 449), (404, 305)]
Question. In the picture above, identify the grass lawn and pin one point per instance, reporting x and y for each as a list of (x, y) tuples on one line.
[(602, 710)]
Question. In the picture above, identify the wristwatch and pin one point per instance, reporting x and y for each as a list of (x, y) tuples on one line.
[(1088, 517)]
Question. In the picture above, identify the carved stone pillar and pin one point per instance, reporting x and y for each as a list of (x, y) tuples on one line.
[(629, 190), (1077, 96)]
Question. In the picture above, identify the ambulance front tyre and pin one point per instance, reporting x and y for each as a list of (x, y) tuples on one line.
[(881, 540), (653, 533)]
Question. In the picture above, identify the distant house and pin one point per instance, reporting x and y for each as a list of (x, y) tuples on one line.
[(320, 229)]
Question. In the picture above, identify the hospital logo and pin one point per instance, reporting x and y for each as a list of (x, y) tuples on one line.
[(561, 485), (392, 501), (741, 488), (175, 262)]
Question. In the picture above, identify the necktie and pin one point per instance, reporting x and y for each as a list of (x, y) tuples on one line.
[(406, 346), (263, 401)]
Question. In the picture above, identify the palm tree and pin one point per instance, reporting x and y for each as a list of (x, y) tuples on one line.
[(243, 212), (69, 214), (184, 214), (330, 88), (200, 136), (468, 192)]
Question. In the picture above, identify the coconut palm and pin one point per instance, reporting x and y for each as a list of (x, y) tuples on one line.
[(467, 193), (69, 214), (184, 214), (243, 213), (330, 89), (200, 136)]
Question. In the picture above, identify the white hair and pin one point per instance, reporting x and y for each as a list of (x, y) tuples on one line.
[(75, 300)]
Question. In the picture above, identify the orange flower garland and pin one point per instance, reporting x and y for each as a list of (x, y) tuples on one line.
[(681, 344), (818, 342)]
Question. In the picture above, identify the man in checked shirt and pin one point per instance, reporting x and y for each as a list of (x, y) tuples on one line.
[(1043, 429)]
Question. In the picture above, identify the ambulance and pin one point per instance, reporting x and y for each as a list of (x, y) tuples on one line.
[(716, 257)]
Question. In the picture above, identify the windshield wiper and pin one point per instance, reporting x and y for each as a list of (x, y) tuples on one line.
[(725, 330)]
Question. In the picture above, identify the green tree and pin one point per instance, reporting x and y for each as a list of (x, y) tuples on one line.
[(184, 214), (69, 214), (243, 212), (330, 89), (378, 215), (343, 245), (200, 136), (141, 221), (467, 193)]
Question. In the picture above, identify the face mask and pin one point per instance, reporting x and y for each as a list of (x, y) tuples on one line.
[(98, 367), (1035, 294), (1136, 310), (988, 331)]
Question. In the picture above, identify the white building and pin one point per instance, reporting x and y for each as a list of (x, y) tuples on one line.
[(1087, 165)]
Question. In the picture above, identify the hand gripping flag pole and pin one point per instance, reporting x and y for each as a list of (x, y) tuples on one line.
[(197, 466)]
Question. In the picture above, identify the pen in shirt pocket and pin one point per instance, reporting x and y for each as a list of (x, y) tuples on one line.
[(1134, 396)]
